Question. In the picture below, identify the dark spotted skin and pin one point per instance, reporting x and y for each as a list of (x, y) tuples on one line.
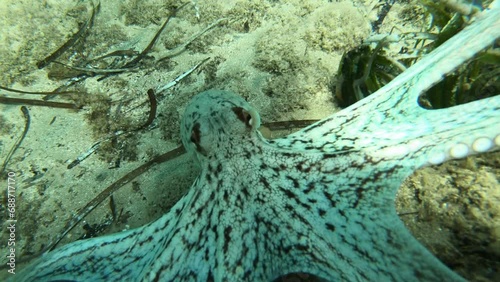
[(320, 201)]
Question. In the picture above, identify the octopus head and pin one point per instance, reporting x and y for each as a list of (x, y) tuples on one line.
[(216, 119)]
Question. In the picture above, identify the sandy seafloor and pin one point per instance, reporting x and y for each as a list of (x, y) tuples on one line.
[(280, 55)]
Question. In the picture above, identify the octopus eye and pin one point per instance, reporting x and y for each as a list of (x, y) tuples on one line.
[(196, 134), (243, 115), (196, 139)]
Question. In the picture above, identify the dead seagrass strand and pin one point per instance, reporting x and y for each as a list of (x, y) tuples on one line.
[(319, 201)]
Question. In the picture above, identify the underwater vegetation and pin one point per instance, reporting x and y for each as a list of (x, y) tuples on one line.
[(368, 67)]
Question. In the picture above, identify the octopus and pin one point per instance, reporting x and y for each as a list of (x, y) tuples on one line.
[(319, 201)]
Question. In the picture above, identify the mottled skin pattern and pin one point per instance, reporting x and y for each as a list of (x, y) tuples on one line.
[(319, 201)]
